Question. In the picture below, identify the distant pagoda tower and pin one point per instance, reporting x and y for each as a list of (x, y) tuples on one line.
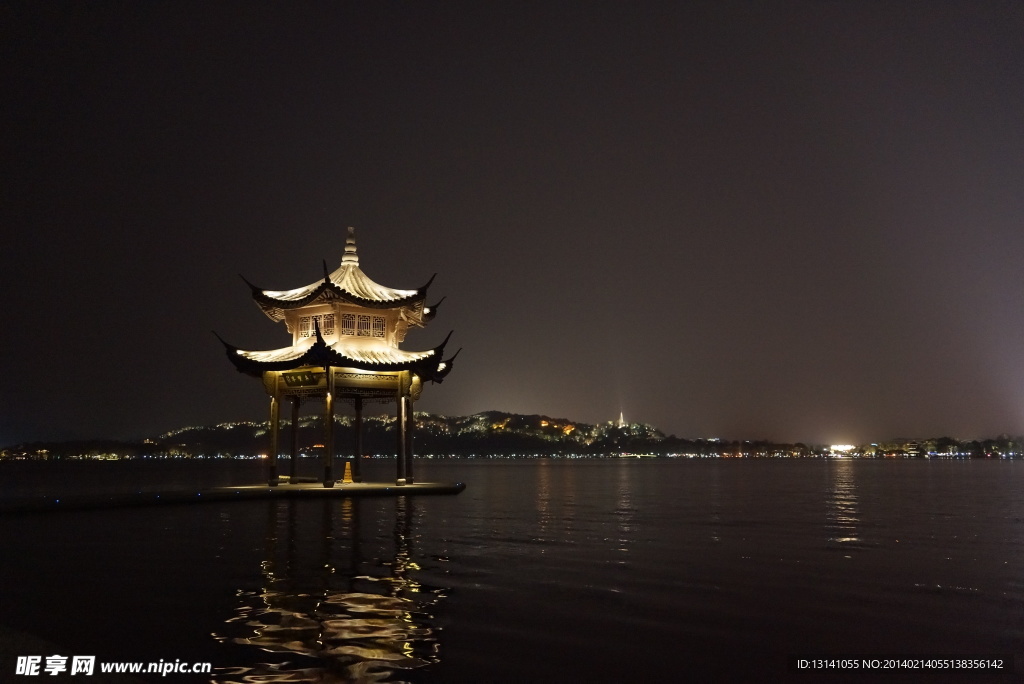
[(346, 331)]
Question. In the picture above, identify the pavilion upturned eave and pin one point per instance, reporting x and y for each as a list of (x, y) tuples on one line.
[(429, 364), (348, 284)]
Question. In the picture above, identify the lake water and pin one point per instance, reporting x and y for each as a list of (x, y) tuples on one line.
[(622, 570)]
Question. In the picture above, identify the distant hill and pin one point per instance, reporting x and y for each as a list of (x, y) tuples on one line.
[(490, 432), (487, 433)]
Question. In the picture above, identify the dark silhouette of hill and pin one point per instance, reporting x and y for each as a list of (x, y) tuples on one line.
[(487, 433)]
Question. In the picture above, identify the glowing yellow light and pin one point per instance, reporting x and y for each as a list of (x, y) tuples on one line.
[(842, 448)]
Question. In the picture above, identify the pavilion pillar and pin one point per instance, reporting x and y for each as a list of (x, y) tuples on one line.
[(357, 441), (275, 427), (328, 458), (295, 438), (410, 427), (400, 435)]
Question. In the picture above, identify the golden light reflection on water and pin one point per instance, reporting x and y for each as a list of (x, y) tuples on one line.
[(624, 509), (544, 497), (353, 613), (841, 504), (714, 492), (568, 498)]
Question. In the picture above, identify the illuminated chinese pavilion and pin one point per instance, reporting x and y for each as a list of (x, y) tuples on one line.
[(346, 331)]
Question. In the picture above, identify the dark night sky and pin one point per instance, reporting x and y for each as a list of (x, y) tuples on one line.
[(782, 220)]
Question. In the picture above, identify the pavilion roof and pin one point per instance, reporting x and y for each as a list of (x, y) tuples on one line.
[(428, 364), (347, 282)]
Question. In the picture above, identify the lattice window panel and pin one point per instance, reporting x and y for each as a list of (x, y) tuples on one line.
[(378, 326), (363, 327), (308, 329), (348, 324)]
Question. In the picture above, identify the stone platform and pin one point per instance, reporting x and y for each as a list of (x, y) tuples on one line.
[(299, 490)]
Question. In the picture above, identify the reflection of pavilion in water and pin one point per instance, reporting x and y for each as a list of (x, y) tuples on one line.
[(350, 604)]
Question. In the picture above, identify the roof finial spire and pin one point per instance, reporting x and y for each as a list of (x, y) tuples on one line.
[(350, 249)]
